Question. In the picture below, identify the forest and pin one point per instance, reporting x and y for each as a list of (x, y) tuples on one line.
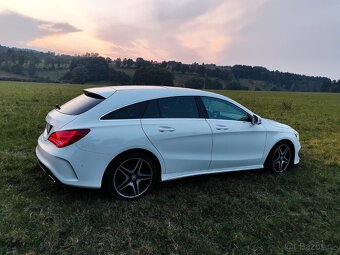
[(31, 65)]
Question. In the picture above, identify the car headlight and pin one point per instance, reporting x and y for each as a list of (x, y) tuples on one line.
[(297, 135)]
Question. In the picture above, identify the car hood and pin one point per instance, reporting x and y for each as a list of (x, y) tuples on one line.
[(275, 124)]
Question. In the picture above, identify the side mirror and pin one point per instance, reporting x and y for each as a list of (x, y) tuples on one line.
[(255, 120)]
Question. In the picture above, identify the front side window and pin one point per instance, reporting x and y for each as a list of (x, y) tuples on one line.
[(219, 109), (178, 107)]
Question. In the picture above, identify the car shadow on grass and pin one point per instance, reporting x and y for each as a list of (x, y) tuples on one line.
[(193, 184)]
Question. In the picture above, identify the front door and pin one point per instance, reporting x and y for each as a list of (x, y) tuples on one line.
[(237, 143)]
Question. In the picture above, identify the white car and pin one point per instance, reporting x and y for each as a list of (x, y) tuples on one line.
[(127, 138)]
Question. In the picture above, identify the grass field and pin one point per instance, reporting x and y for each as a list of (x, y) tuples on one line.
[(257, 212)]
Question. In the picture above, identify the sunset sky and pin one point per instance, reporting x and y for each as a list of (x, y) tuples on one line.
[(300, 36)]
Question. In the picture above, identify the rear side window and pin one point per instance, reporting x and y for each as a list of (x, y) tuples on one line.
[(134, 111), (152, 110), (178, 107), (80, 104)]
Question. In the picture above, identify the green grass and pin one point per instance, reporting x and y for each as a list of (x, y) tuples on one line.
[(53, 75), (297, 212)]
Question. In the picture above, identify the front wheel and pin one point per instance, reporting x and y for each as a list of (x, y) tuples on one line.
[(131, 176), (280, 158)]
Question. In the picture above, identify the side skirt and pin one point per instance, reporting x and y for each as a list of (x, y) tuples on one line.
[(173, 176)]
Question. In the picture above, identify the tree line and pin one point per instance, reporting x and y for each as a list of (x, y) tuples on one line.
[(92, 67)]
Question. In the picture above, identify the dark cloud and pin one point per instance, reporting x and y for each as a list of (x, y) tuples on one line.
[(169, 13), (18, 29)]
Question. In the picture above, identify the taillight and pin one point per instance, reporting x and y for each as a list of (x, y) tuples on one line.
[(67, 137)]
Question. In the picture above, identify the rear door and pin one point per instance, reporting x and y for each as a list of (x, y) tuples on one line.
[(176, 129)]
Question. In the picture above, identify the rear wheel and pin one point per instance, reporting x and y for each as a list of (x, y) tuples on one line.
[(280, 157), (131, 176)]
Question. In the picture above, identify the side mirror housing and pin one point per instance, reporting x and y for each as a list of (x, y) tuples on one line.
[(255, 120)]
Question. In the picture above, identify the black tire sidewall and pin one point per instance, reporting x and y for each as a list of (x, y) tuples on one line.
[(268, 165), (113, 168)]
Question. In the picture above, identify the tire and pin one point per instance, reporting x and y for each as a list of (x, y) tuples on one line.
[(280, 157), (131, 176)]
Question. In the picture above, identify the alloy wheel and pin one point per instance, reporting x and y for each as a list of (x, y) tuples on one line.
[(133, 177), (281, 158)]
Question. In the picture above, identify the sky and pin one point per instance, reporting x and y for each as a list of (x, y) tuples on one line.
[(298, 36)]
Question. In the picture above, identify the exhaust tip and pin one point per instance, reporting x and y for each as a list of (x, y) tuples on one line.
[(51, 179)]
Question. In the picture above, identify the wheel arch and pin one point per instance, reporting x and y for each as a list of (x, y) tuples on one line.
[(138, 150), (289, 142)]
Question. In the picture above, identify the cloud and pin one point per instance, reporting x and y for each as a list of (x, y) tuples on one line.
[(296, 36), (185, 30), (18, 30)]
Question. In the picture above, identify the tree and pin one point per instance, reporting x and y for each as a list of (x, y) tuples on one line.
[(153, 75), (118, 62), (213, 84), (97, 68), (195, 83), (235, 85), (140, 62), (79, 74), (118, 77), (31, 69), (17, 68), (129, 62)]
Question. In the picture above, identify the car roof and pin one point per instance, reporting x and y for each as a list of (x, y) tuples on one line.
[(109, 90), (120, 96)]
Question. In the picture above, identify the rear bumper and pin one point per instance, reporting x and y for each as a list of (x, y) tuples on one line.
[(58, 169), (48, 172), (71, 165)]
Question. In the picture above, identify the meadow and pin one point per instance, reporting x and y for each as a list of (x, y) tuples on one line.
[(254, 212)]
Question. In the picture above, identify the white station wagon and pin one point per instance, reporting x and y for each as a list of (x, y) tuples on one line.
[(127, 138)]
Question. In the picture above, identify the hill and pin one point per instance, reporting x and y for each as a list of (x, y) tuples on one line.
[(30, 65)]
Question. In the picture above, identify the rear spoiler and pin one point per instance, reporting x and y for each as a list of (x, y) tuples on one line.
[(100, 92), (91, 94)]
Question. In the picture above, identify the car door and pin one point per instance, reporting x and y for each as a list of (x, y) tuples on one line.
[(183, 138), (237, 143)]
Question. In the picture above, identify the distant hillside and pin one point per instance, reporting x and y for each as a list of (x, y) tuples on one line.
[(31, 65)]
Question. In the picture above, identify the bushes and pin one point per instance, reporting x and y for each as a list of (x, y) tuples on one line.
[(153, 75), (236, 86), (194, 83)]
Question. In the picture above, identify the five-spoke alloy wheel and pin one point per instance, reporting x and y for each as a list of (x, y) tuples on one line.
[(131, 176), (280, 158)]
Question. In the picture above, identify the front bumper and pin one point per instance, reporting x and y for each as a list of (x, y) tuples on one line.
[(297, 146)]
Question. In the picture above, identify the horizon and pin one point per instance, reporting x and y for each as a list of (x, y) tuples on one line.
[(296, 37), (159, 62)]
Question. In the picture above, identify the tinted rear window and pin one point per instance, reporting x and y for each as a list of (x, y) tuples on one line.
[(134, 111), (80, 104), (152, 110), (178, 107)]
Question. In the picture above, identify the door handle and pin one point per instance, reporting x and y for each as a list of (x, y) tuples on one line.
[(221, 127), (166, 129)]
